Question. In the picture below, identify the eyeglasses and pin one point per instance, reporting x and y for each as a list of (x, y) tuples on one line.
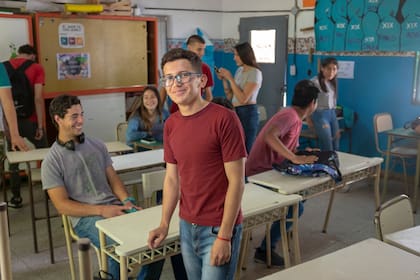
[(181, 78)]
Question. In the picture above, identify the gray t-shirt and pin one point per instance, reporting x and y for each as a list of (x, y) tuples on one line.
[(253, 75), (326, 100), (82, 172)]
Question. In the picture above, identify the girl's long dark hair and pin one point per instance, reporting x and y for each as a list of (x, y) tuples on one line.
[(246, 53), (321, 79), (142, 111)]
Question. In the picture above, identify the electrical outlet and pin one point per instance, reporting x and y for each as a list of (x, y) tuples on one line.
[(292, 70)]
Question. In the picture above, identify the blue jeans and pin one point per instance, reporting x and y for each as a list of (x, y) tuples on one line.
[(326, 127), (248, 115), (86, 228), (275, 235), (196, 244)]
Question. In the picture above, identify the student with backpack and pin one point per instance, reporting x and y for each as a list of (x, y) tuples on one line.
[(27, 79)]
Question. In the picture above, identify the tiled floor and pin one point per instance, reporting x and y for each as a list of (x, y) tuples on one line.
[(351, 221)]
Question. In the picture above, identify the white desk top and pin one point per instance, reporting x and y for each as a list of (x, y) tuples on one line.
[(136, 161), (288, 184), (256, 200), (39, 154), (131, 231), (370, 259), (408, 239)]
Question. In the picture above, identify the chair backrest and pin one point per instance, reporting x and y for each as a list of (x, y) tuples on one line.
[(71, 235), (262, 113), (394, 215), (381, 122), (151, 183), (121, 130)]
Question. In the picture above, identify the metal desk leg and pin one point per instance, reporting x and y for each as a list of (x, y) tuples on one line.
[(296, 248), (268, 243), (104, 258), (5, 256), (31, 206), (376, 187), (387, 158), (327, 215), (50, 240), (416, 179), (284, 241), (123, 268)]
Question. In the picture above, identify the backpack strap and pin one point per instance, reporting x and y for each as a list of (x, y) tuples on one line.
[(25, 65), (10, 70)]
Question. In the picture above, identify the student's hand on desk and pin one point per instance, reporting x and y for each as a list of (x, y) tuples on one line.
[(156, 236), (304, 159), (19, 144), (220, 252), (109, 211)]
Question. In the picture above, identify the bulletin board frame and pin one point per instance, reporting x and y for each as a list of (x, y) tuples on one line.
[(119, 53), (20, 34)]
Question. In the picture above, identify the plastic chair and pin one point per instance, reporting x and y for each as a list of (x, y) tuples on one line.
[(262, 113), (121, 130), (394, 215), (70, 235), (382, 122), (152, 182)]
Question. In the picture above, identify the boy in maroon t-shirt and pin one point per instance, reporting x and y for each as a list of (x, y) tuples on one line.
[(205, 153)]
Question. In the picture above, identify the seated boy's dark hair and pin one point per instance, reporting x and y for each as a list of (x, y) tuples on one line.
[(60, 104), (305, 92), (223, 101)]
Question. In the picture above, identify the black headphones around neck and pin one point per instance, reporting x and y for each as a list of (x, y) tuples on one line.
[(70, 145)]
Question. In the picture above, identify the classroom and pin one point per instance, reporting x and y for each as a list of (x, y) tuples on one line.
[(373, 49)]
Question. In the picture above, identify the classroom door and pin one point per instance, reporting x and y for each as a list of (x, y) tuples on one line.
[(268, 37)]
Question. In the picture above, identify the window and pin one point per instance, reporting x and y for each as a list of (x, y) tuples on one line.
[(264, 44)]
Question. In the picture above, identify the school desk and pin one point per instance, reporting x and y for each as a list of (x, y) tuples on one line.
[(404, 134), (407, 239), (130, 232), (370, 259), (353, 168)]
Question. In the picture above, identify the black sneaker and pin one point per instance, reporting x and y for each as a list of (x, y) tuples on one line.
[(15, 202), (261, 257)]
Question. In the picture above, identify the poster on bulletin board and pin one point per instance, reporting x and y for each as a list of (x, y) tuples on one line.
[(367, 25)]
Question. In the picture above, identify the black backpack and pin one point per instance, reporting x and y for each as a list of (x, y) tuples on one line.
[(22, 91)]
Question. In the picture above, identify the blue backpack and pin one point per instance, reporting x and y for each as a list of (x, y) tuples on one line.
[(327, 164)]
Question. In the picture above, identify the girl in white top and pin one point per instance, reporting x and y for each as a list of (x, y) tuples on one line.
[(243, 88), (324, 119)]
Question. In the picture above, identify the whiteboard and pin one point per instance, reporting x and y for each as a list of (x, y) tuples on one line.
[(14, 29)]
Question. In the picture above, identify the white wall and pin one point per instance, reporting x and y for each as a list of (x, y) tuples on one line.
[(224, 20)]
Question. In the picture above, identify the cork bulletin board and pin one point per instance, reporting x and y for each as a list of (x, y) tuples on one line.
[(92, 53)]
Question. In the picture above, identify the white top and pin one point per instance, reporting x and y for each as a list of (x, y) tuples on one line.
[(131, 231), (370, 259), (289, 184), (407, 239), (39, 154)]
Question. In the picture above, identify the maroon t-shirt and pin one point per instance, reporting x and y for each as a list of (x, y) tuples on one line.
[(199, 145)]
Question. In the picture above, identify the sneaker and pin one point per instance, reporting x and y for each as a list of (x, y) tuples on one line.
[(261, 257), (15, 202)]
